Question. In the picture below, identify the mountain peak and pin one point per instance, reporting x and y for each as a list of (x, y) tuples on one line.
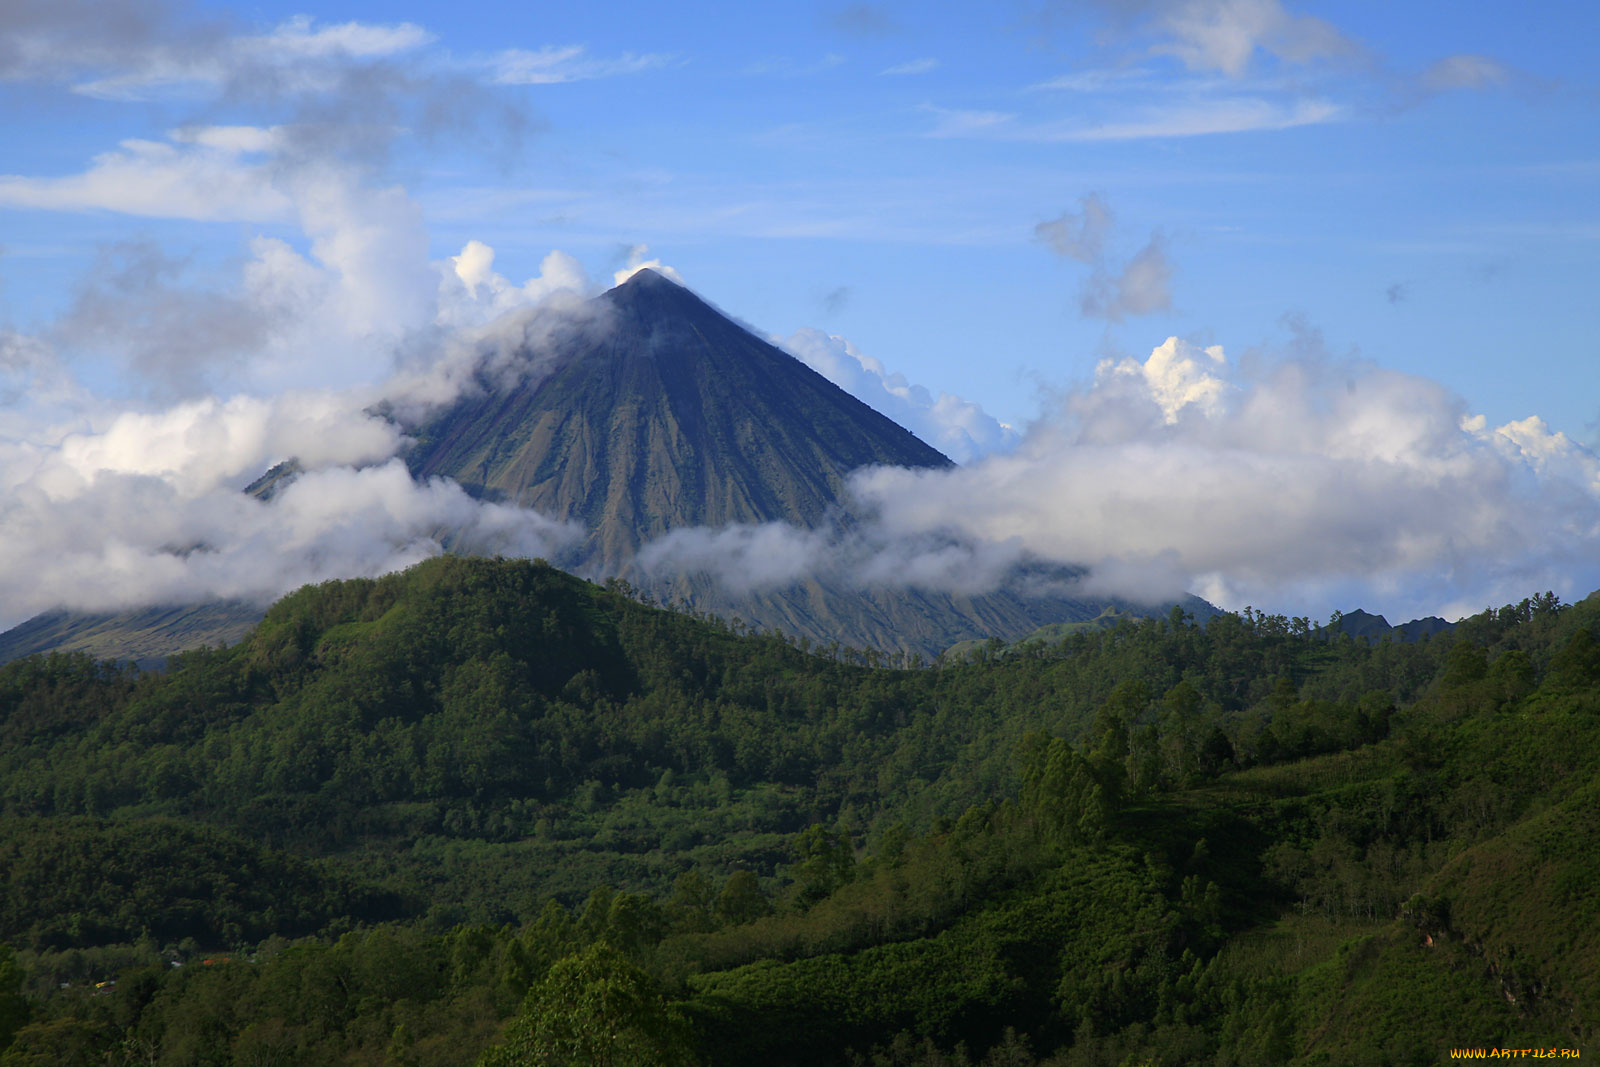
[(646, 278), (653, 296)]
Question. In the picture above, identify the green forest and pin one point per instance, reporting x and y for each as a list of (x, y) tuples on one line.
[(485, 813)]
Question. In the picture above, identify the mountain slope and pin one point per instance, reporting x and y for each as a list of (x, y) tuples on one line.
[(146, 637), (666, 415)]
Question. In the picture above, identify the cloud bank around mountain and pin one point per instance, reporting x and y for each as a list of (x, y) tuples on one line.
[(1297, 480)]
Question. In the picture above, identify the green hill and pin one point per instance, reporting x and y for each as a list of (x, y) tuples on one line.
[(593, 824)]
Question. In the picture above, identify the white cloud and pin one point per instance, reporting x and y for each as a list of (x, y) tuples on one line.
[(755, 557), (129, 540), (553, 65), (472, 293), (959, 428), (300, 37), (742, 557), (1201, 119), (1175, 377), (1197, 118), (1310, 484), (145, 507), (639, 259), (200, 175)]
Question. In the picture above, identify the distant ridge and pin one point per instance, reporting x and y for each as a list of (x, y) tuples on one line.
[(1364, 626)]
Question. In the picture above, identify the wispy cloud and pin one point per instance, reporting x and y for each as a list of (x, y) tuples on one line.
[(1465, 72), (926, 65), (961, 122), (1096, 81), (1140, 286), (554, 65), (1200, 119), (1187, 119), (297, 56), (202, 173)]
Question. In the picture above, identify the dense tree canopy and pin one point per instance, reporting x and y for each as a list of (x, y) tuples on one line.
[(482, 808)]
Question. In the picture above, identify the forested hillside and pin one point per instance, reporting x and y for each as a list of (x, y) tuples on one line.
[(482, 811)]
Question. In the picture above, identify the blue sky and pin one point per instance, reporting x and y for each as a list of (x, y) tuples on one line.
[(1013, 206)]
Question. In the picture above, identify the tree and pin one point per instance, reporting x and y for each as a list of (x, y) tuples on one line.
[(595, 1009)]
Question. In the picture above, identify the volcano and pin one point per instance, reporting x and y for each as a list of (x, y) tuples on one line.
[(660, 413)]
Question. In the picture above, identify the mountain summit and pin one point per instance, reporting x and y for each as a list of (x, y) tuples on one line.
[(662, 413)]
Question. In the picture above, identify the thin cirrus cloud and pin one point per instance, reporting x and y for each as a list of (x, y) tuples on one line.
[(926, 65), (1229, 115), (558, 64)]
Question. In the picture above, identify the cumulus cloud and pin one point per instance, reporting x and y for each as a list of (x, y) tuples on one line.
[(147, 510), (328, 311), (128, 540), (959, 428), (110, 509), (473, 293), (638, 259), (1310, 481), (1140, 286)]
